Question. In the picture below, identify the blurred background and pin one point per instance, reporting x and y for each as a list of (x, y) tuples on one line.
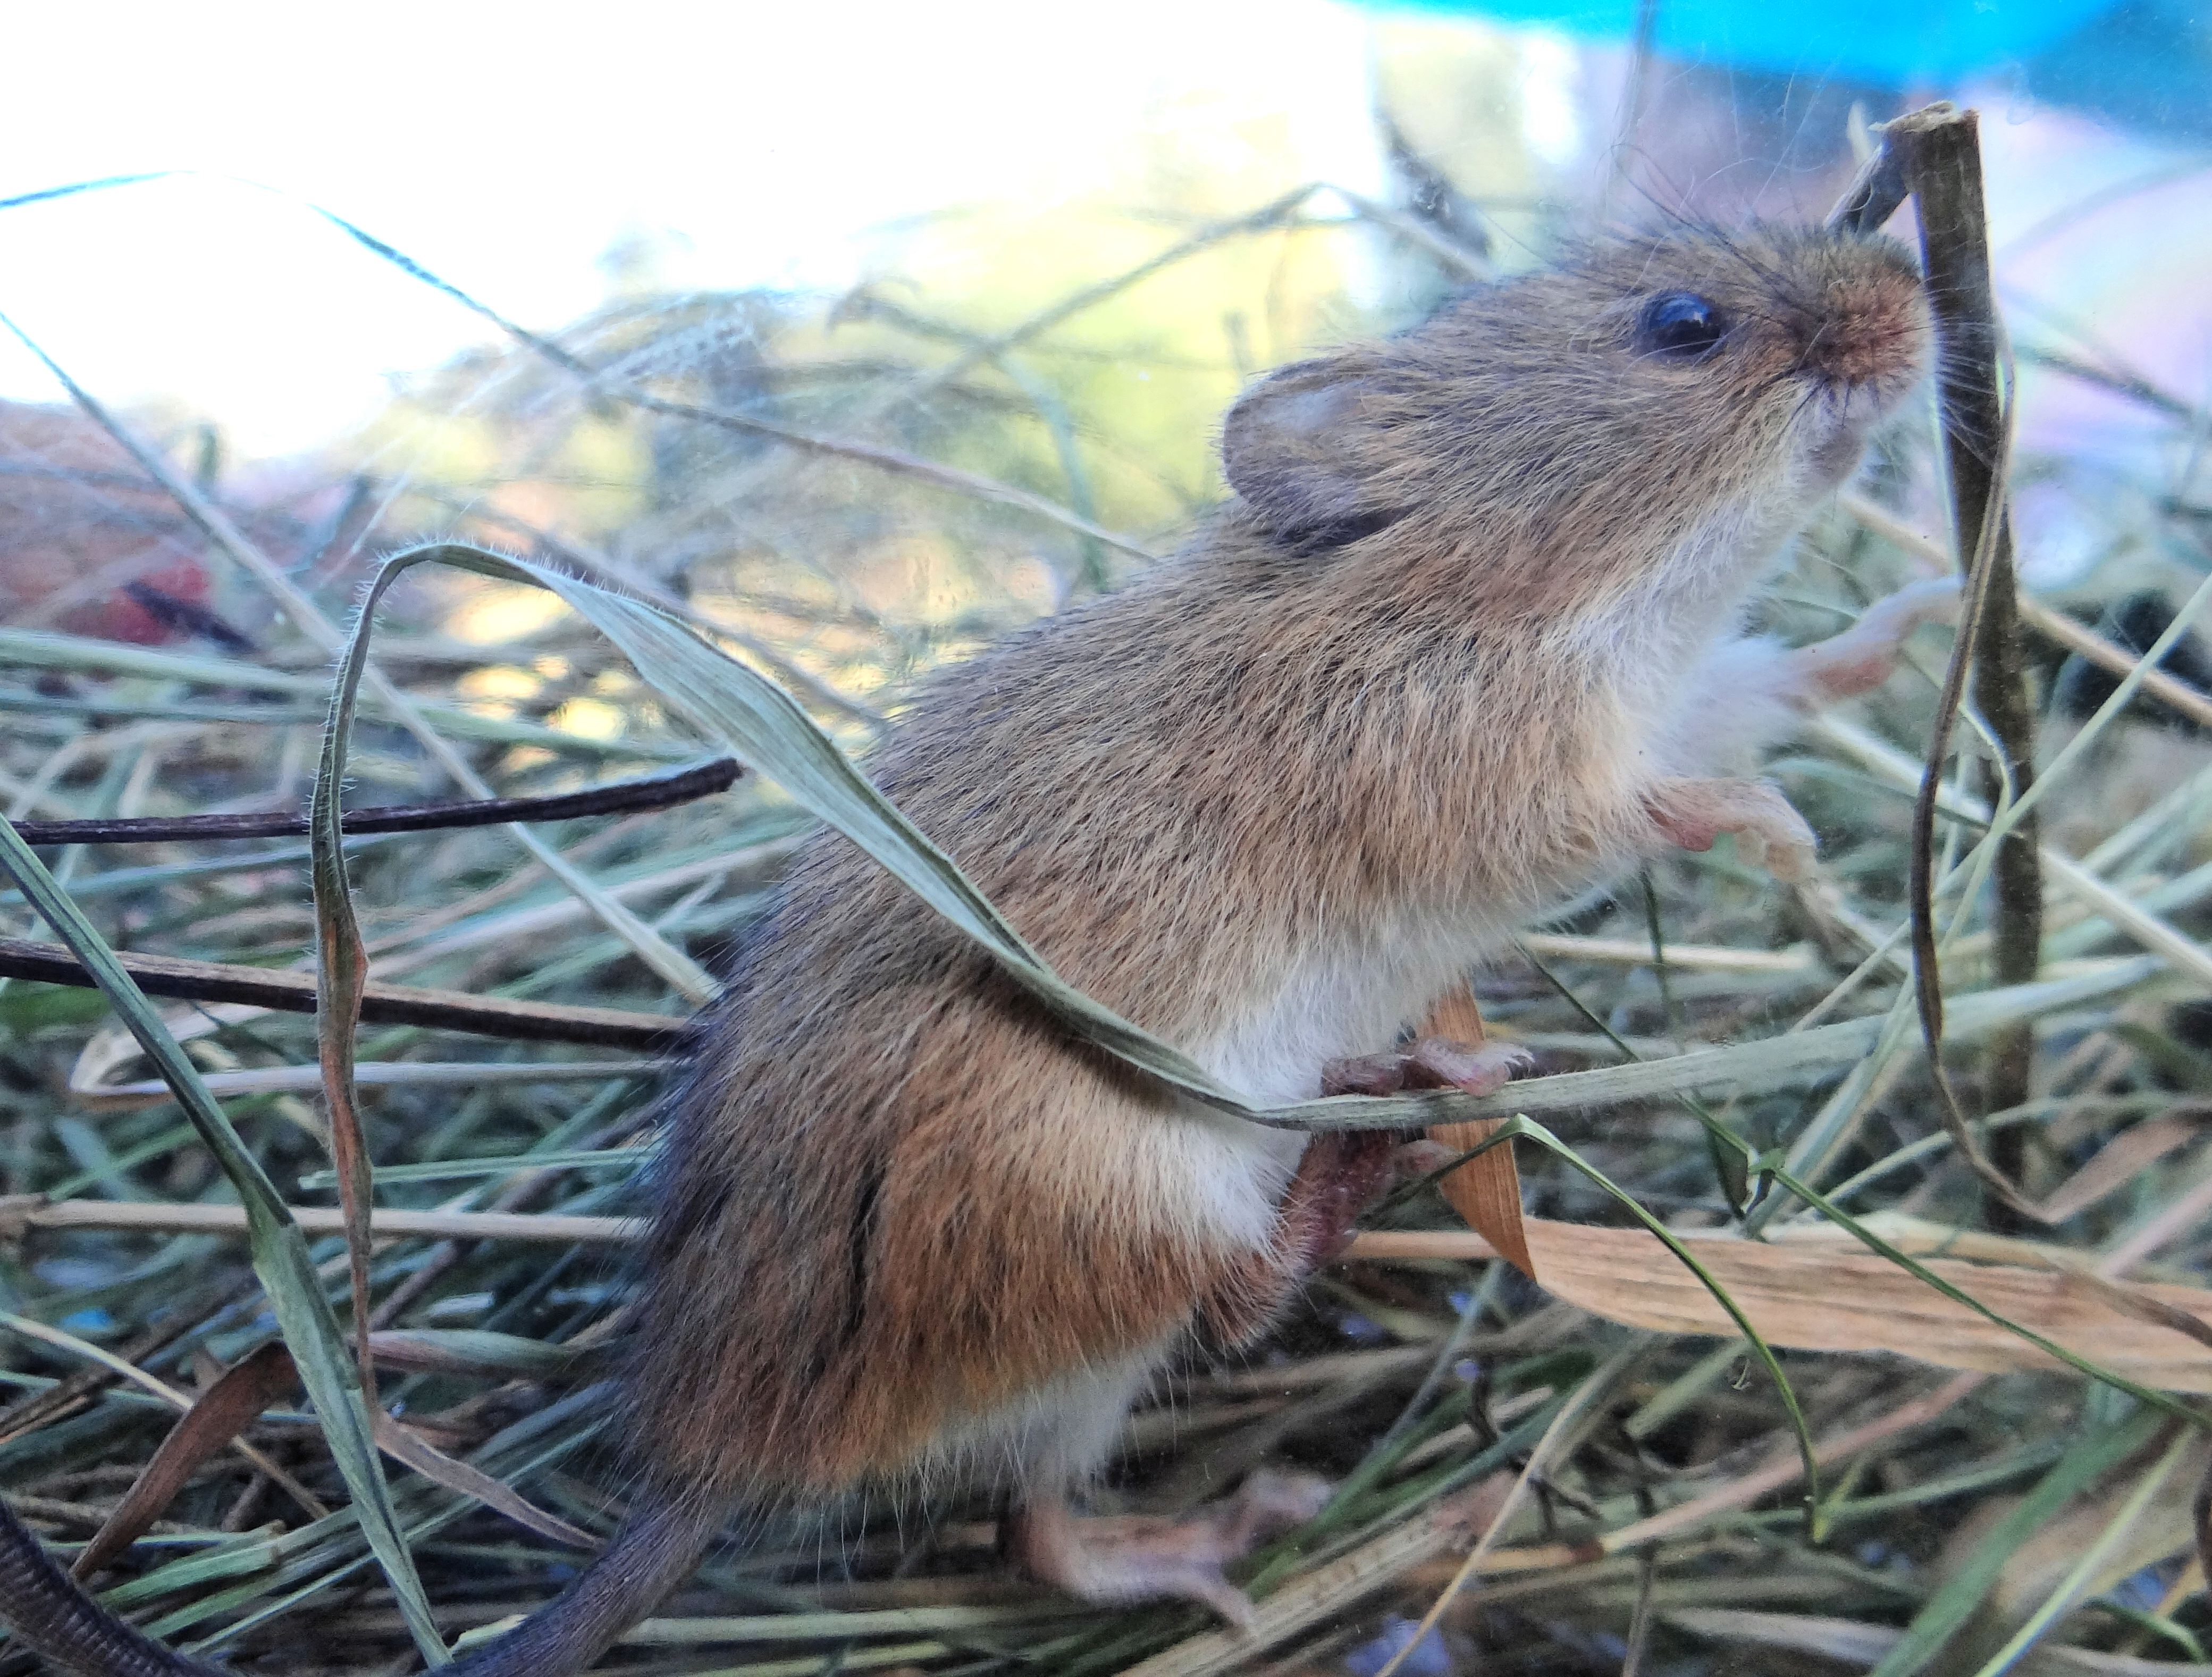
[(850, 220)]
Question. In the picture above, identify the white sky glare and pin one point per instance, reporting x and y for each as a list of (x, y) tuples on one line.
[(507, 148)]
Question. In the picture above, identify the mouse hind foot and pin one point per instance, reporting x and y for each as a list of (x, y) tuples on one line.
[(1145, 1557)]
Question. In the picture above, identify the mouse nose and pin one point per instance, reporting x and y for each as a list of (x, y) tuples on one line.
[(1869, 330)]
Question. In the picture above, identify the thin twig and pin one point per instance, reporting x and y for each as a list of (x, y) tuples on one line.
[(27, 1211), (656, 792), (19, 1215), (1269, 215), (382, 1004), (601, 382), (971, 483)]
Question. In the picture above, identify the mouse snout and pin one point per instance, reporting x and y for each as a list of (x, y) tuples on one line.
[(1868, 328)]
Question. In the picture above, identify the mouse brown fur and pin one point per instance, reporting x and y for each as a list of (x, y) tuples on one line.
[(1257, 756), (1465, 638)]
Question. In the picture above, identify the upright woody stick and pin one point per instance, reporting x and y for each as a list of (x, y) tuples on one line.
[(1934, 155)]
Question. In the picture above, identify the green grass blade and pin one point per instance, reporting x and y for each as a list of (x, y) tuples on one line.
[(2094, 1455), (1798, 1425), (279, 1250), (2062, 1599), (2161, 1402)]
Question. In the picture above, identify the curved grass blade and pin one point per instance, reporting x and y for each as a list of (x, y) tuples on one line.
[(341, 975), (769, 730), (1543, 1138), (279, 1249)]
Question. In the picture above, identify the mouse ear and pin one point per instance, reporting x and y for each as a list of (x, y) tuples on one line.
[(1290, 449)]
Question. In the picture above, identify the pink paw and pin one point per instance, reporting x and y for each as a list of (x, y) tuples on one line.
[(1769, 831), (1434, 1062), (1140, 1558)]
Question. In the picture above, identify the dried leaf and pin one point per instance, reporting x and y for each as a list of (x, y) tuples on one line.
[(225, 1409), (1486, 1190), (404, 1444), (1822, 1292)]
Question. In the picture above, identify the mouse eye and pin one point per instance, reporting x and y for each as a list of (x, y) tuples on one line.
[(1679, 325)]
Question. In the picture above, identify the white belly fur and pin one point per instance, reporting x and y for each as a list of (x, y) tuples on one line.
[(1218, 1179), (1058, 1436), (1226, 1175)]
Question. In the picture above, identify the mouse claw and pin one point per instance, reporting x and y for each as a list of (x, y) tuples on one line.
[(1415, 1161), (1270, 1502), (1787, 854)]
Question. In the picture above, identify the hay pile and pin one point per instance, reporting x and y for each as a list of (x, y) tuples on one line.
[(842, 492)]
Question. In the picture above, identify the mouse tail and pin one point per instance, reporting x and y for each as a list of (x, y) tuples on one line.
[(657, 1548), (49, 1613)]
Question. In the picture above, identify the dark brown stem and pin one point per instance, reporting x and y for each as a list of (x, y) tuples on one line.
[(381, 1004), (1946, 175), (1935, 155), (653, 793), (1879, 186)]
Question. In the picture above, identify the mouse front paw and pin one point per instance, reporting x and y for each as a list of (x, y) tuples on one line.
[(1769, 832), (1865, 655)]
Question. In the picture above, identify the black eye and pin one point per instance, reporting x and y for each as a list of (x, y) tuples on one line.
[(1679, 325)]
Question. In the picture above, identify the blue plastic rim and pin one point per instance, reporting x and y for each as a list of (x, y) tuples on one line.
[(1888, 42)]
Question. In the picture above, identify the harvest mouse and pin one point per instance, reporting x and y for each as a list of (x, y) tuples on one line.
[(1466, 637)]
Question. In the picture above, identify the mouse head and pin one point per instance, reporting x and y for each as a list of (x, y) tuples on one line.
[(1590, 418)]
